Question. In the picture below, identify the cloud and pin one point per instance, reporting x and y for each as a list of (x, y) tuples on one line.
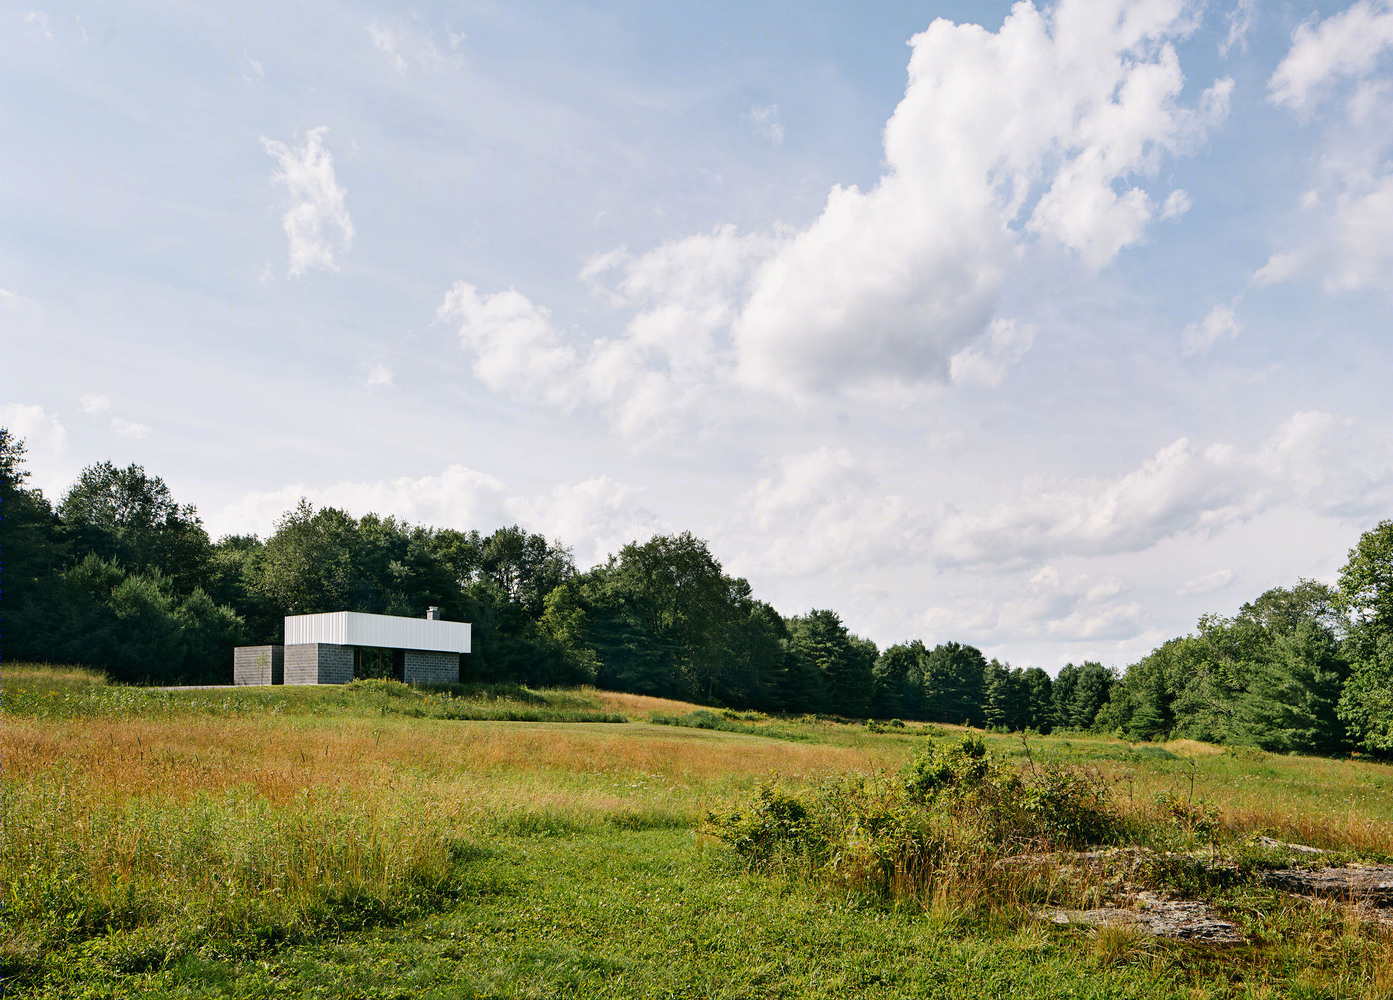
[(42, 434), (1045, 127), (1348, 214), (317, 222), (888, 285), (1001, 347), (671, 356), (94, 405), (515, 344), (39, 20), (459, 497), (1240, 21), (388, 43), (410, 43), (1312, 459), (1039, 135), (765, 119), (821, 510), (596, 517), (1216, 580), (16, 302), (129, 428), (380, 375), (1347, 44), (1177, 203), (684, 296), (1045, 605), (1219, 323)]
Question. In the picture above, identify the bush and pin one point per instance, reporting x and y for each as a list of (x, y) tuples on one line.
[(951, 814)]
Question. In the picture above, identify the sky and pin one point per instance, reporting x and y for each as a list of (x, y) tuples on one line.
[(1043, 328)]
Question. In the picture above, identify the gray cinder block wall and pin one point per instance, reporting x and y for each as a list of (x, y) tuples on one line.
[(424, 666), (318, 663), (252, 665)]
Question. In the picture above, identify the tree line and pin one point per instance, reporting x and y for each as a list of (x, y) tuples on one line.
[(120, 575)]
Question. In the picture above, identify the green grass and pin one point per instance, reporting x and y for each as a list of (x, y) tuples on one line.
[(652, 914), (74, 692), (372, 841)]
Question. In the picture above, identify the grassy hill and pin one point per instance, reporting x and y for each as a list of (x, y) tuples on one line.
[(379, 841)]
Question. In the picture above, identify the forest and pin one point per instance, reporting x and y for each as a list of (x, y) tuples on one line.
[(119, 575)]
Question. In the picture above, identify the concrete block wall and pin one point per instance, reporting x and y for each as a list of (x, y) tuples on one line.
[(423, 666), (258, 665), (318, 663)]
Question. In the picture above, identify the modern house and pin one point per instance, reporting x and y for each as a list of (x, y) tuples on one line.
[(337, 647)]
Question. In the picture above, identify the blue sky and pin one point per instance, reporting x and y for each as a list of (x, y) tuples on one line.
[(1046, 329)]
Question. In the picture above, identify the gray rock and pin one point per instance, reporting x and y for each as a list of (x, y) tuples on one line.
[(1351, 883), (1161, 916)]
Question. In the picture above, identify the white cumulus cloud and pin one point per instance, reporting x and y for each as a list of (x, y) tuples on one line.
[(1001, 347), (1047, 126), (317, 222), (459, 497), (1042, 133), (1220, 323), (595, 518), (515, 344), (129, 428), (822, 510), (1340, 70), (40, 431), (1177, 203), (1047, 604), (1184, 489)]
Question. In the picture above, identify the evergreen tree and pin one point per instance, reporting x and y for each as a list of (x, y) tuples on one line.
[(998, 696), (1291, 698), (1091, 689), (1039, 702), (846, 662), (899, 682), (953, 684)]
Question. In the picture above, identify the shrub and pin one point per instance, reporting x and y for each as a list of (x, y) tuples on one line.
[(949, 816)]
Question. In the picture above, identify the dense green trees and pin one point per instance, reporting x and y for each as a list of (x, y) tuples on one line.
[(121, 575), (845, 663), (129, 517), (115, 575), (1366, 596), (1307, 668)]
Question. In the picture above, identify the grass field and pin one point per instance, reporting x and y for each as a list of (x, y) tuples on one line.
[(377, 841)]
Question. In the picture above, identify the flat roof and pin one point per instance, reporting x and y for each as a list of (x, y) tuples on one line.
[(355, 628)]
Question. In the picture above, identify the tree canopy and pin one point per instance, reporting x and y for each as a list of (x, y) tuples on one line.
[(122, 575)]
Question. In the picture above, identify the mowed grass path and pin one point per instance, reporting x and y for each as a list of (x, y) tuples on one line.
[(355, 843)]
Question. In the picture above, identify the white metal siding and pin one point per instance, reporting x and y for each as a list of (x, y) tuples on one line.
[(353, 628)]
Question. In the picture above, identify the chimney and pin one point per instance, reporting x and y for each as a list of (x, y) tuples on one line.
[(433, 613)]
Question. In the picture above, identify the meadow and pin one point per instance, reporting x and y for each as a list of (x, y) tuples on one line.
[(379, 841)]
